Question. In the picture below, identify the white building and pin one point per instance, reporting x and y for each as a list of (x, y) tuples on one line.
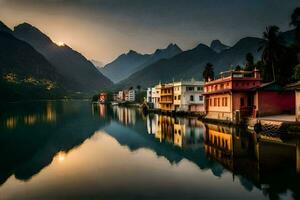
[(130, 95), (153, 96), (121, 96), (188, 96)]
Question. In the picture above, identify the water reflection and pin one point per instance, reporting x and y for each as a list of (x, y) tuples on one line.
[(30, 117), (30, 136), (218, 159)]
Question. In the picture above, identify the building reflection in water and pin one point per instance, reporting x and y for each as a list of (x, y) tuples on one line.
[(263, 159), (182, 132), (10, 122), (125, 115), (46, 113)]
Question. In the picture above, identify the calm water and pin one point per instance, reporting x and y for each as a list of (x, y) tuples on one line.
[(75, 150)]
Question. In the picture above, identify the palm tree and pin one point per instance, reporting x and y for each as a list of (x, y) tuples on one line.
[(249, 62), (295, 21), (272, 48), (208, 72)]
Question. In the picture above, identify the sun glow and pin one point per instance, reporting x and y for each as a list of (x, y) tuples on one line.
[(61, 156), (60, 43)]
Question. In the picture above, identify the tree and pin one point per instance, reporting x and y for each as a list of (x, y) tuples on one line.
[(138, 87), (295, 21), (208, 72), (249, 62), (272, 50), (296, 75), (238, 68)]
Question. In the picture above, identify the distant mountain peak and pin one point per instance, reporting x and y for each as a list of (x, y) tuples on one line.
[(172, 45), (32, 33), (130, 52), (170, 48), (201, 46), (4, 28), (218, 46)]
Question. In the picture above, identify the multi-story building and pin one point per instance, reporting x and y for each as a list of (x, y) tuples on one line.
[(121, 95), (129, 95), (166, 97), (188, 96), (231, 94), (239, 94), (103, 97), (153, 96)]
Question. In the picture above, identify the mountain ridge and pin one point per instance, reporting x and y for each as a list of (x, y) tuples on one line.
[(128, 63), (73, 65)]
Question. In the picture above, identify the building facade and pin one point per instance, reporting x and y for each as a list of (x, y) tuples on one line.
[(129, 95), (103, 97), (166, 97), (153, 96), (231, 96), (188, 96)]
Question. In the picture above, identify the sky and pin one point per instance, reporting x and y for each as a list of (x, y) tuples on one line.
[(104, 29)]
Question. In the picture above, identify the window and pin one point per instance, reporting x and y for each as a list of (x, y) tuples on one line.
[(222, 101), (179, 97), (225, 101), (200, 98), (190, 88), (199, 88), (215, 101), (175, 97), (218, 102), (191, 98), (242, 102)]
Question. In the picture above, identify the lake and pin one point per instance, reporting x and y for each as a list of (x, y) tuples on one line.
[(79, 150)]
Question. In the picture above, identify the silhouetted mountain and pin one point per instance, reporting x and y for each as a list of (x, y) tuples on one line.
[(169, 52), (4, 28), (175, 68), (236, 54), (217, 46), (124, 65), (67, 61), (190, 64), (127, 64), (25, 73), (97, 64)]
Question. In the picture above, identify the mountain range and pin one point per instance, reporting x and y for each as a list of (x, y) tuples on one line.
[(131, 62), (24, 72), (30, 57), (218, 46), (190, 64), (80, 72)]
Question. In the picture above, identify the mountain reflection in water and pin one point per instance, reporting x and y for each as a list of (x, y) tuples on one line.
[(33, 135)]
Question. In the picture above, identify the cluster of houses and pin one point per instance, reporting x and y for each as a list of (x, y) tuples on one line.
[(120, 96), (184, 96), (235, 95), (125, 96)]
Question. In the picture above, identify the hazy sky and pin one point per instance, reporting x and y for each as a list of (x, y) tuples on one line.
[(104, 29)]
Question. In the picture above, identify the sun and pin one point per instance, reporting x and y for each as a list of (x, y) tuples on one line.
[(61, 156), (60, 43)]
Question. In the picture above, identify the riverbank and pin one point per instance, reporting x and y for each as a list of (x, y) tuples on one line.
[(274, 126)]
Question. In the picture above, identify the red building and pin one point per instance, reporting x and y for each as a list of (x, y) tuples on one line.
[(103, 97), (231, 95), (273, 99), (239, 94)]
